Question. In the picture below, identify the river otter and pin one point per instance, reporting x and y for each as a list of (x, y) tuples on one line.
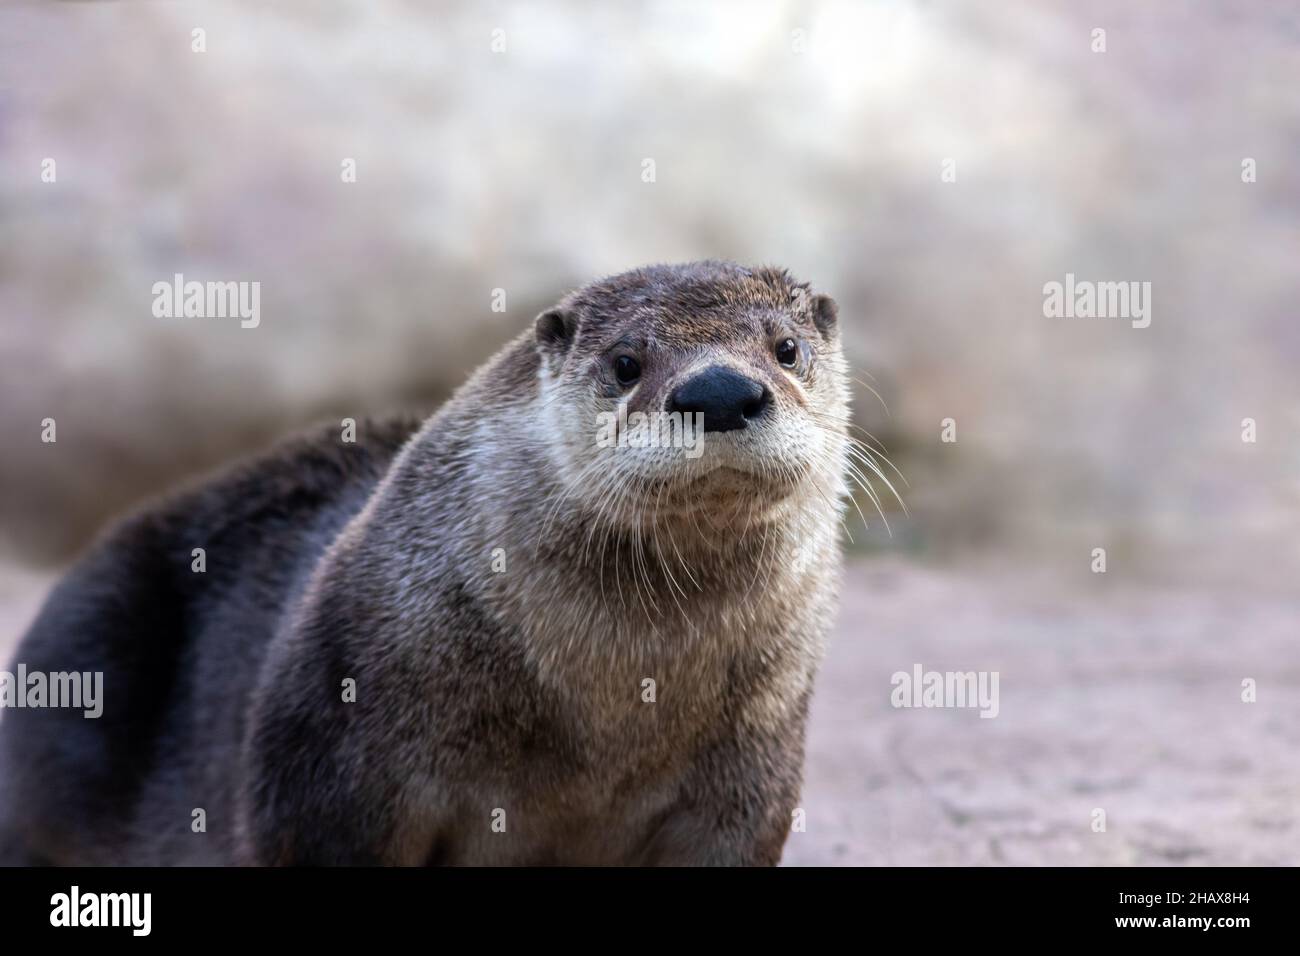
[(490, 639)]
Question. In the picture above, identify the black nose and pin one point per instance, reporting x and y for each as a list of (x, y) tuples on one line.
[(723, 396)]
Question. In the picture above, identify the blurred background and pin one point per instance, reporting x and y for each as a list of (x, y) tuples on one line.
[(502, 146)]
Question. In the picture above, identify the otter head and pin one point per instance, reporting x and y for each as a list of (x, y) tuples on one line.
[(692, 390)]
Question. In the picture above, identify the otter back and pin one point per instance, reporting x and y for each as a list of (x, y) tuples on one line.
[(179, 651)]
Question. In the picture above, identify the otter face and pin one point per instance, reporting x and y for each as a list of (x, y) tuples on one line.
[(700, 387)]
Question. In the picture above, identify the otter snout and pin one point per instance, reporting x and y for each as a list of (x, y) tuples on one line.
[(726, 398)]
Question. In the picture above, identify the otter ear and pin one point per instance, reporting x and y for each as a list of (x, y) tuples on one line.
[(825, 315), (555, 328)]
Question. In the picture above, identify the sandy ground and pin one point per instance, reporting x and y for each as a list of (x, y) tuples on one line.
[(1111, 697)]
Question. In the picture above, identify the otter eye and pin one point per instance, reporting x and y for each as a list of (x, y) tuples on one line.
[(626, 369), (787, 353)]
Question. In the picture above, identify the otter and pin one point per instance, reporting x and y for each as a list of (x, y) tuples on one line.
[(487, 639)]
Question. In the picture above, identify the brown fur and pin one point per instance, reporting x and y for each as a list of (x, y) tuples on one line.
[(481, 690)]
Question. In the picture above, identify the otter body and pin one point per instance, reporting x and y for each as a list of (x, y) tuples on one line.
[(492, 639)]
